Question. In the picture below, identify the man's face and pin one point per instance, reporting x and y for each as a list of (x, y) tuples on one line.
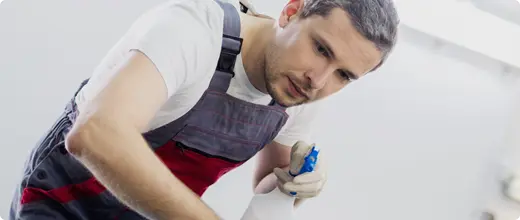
[(312, 58)]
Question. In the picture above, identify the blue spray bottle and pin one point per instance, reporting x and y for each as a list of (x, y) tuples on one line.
[(277, 205)]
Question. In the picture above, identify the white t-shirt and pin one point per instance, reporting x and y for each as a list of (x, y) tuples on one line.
[(183, 39)]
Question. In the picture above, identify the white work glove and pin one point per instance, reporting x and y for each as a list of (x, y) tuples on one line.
[(305, 185)]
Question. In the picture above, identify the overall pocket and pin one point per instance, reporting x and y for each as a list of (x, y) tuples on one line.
[(215, 144)]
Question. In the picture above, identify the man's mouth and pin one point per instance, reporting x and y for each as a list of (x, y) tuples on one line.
[(296, 91)]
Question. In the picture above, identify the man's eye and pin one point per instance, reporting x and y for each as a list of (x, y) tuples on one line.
[(344, 75), (322, 50)]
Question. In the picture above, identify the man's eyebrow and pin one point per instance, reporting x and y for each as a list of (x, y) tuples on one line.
[(327, 46)]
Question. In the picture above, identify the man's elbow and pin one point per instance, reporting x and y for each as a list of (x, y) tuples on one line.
[(81, 137)]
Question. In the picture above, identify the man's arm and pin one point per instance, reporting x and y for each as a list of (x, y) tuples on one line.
[(107, 139), (273, 155)]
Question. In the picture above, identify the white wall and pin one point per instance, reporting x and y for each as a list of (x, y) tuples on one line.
[(417, 140)]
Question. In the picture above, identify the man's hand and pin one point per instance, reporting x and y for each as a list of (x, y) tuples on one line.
[(306, 185)]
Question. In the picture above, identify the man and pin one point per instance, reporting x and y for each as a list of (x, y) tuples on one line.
[(193, 90)]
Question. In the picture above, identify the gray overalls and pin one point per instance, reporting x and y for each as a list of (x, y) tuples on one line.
[(217, 135)]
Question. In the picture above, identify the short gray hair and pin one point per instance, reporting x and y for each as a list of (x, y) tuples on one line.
[(376, 20)]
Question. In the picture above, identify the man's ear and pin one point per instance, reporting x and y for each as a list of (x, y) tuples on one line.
[(290, 11)]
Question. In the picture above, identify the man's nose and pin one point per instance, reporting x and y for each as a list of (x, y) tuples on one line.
[(319, 76)]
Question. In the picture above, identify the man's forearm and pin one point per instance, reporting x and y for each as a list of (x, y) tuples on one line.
[(121, 160), (268, 184)]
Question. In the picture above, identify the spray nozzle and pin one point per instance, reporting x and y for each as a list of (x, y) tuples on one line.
[(309, 163)]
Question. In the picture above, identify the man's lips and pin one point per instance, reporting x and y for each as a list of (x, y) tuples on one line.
[(297, 90)]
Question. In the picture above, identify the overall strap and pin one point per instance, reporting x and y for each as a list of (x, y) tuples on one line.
[(231, 46)]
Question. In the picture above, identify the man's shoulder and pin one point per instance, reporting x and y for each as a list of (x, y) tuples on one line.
[(203, 5), (301, 114), (301, 123), (206, 12), (309, 108), (183, 38)]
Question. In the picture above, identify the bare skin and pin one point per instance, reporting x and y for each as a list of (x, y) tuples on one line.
[(299, 61), (317, 55), (286, 58)]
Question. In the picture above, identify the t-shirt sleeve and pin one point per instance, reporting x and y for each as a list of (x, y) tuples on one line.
[(300, 126), (182, 41)]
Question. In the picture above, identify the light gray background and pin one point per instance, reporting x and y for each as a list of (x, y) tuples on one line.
[(419, 139)]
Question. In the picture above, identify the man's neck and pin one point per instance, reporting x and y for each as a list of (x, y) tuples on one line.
[(257, 34)]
